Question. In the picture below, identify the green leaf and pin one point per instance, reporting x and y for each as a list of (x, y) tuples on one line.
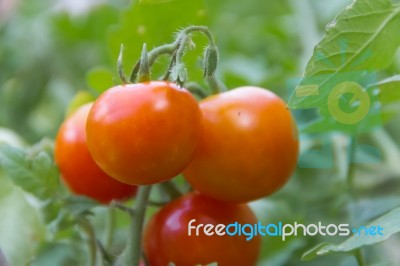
[(57, 254), (390, 222), (363, 37), (10, 137), (21, 229), (35, 173), (152, 2), (100, 79), (388, 89), (78, 205)]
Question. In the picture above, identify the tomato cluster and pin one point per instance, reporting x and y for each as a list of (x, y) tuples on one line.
[(233, 147)]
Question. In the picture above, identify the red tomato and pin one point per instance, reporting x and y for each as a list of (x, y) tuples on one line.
[(78, 169), (248, 148), (166, 236), (144, 133)]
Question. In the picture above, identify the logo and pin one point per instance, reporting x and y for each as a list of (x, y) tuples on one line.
[(280, 229)]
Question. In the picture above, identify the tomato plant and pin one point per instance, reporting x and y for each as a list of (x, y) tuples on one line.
[(166, 236), (78, 170), (248, 148), (144, 133), (340, 82)]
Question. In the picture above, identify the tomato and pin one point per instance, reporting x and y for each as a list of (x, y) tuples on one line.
[(166, 236), (79, 171), (144, 133), (248, 148)]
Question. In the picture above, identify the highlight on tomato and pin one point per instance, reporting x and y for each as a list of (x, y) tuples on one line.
[(144, 133)]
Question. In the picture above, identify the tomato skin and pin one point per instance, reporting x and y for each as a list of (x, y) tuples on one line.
[(144, 133), (78, 170), (166, 236), (248, 148)]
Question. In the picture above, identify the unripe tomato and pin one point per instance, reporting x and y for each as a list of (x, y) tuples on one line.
[(78, 170), (166, 236), (248, 148), (144, 133)]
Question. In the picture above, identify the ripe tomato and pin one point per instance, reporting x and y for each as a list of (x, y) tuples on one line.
[(166, 236), (79, 171), (144, 133), (248, 148)]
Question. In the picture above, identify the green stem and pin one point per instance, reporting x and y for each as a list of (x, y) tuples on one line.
[(144, 70), (107, 259), (92, 242), (122, 207), (161, 50), (120, 66), (215, 85), (170, 66), (110, 226), (202, 29), (389, 148), (195, 89), (134, 72), (132, 253), (360, 258), (171, 189), (152, 57), (184, 37), (176, 49), (157, 203), (351, 166)]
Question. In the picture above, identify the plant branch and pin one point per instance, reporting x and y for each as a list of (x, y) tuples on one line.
[(109, 228), (132, 253), (92, 242), (120, 66), (171, 189), (122, 207), (360, 258), (351, 161)]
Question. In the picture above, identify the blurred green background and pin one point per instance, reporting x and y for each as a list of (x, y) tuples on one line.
[(50, 50)]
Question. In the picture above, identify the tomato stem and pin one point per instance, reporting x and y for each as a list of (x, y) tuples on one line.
[(215, 85), (134, 72), (120, 65), (133, 251), (152, 57), (351, 164), (171, 189), (195, 89), (144, 69), (122, 207), (360, 258), (110, 228), (170, 66), (164, 49), (202, 29), (92, 242), (176, 66)]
